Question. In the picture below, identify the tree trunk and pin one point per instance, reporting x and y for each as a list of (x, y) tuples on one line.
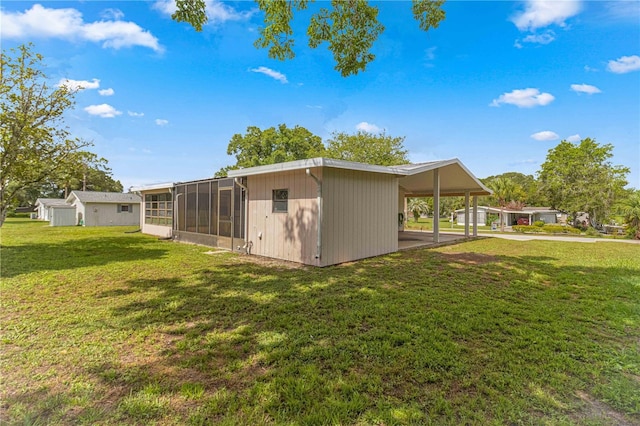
[(3, 215)]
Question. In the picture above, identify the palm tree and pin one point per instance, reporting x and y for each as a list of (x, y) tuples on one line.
[(417, 206), (630, 209), (504, 190)]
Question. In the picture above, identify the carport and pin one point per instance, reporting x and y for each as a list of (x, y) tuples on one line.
[(446, 178)]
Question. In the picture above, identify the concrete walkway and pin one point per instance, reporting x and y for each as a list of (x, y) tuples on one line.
[(529, 237), (412, 239)]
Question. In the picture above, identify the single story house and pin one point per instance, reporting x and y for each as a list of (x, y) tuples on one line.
[(317, 211), (105, 208), (43, 204), (528, 215)]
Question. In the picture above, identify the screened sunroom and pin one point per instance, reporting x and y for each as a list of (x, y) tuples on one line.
[(210, 212)]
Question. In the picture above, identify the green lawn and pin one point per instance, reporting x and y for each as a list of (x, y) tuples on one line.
[(100, 326), (426, 224)]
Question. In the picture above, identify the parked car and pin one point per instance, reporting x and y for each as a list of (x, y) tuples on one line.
[(523, 221)]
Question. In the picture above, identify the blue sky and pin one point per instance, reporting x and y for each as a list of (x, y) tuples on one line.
[(497, 85)]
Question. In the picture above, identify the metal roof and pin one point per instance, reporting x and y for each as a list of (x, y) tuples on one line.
[(416, 180), (51, 202), (151, 187), (103, 197)]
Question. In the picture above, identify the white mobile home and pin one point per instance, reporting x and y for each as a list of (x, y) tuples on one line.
[(105, 208), (317, 211)]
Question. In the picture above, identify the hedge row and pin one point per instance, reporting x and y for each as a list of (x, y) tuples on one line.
[(548, 229)]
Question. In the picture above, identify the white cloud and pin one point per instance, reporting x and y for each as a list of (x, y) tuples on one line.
[(217, 11), (106, 92), (135, 114), (112, 14), (587, 68), (161, 122), (585, 88), (430, 53), (524, 98), (546, 135), (102, 110), (368, 127), (542, 13), (544, 38), (574, 138), (43, 22), (271, 73), (74, 85), (624, 64), (314, 106)]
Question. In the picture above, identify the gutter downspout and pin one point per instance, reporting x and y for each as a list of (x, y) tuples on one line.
[(319, 247), (247, 245), (176, 211)]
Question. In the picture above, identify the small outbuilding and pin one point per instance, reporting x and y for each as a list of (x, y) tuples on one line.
[(43, 204), (94, 208)]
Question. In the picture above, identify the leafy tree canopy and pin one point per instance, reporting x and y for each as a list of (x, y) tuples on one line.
[(370, 148), (348, 27), (35, 145), (580, 178), (274, 145), (530, 192)]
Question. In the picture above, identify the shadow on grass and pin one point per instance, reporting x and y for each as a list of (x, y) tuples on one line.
[(363, 342), (76, 253), (413, 337)]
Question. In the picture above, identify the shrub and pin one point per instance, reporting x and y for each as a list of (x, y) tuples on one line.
[(549, 228), (526, 228), (538, 223), (592, 232)]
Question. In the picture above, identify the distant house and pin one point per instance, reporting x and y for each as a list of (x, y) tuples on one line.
[(43, 206), (528, 215), (105, 208)]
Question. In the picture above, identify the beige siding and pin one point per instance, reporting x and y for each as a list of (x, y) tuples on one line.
[(360, 215), (290, 236)]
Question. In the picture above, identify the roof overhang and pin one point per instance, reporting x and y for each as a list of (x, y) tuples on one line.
[(152, 187), (416, 180)]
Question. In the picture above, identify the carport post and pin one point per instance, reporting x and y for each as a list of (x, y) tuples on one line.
[(466, 214), (436, 205), (475, 215)]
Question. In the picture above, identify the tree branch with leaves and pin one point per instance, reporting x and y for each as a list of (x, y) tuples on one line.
[(35, 145), (349, 27)]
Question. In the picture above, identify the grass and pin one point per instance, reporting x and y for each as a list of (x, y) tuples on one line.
[(425, 224), (100, 326)]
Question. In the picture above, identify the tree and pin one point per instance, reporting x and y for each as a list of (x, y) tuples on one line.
[(35, 144), (365, 147), (349, 27), (629, 207), (530, 188), (417, 207), (274, 145), (579, 178), (504, 191)]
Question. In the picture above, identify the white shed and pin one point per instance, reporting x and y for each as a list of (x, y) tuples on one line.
[(105, 208), (43, 204)]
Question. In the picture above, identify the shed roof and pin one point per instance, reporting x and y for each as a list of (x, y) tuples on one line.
[(416, 180), (47, 202), (103, 197)]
